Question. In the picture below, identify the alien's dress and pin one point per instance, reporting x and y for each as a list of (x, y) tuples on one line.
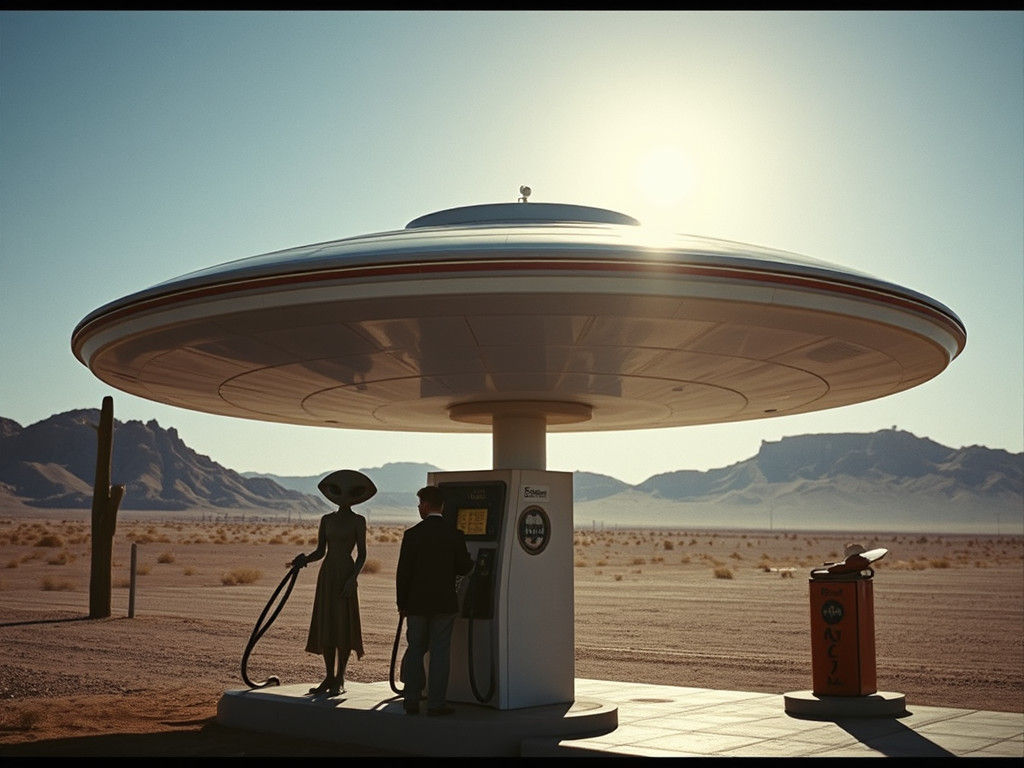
[(335, 621)]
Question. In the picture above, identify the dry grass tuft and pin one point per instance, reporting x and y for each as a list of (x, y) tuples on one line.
[(371, 566), (26, 719), (50, 540), (723, 573), (61, 558), (166, 557), (51, 584), (240, 576)]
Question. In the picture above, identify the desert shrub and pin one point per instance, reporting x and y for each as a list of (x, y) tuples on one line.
[(143, 568), (51, 584), (786, 573), (371, 566), (26, 719), (276, 540), (50, 540), (638, 561), (240, 576), (723, 573), (166, 557), (122, 583), (602, 562), (580, 563), (941, 562), (61, 558), (668, 545), (189, 571), (684, 559), (736, 556), (13, 563), (618, 577)]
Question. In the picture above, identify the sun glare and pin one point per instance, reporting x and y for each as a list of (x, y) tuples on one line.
[(664, 176)]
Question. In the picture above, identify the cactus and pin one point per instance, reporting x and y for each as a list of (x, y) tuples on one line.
[(105, 501)]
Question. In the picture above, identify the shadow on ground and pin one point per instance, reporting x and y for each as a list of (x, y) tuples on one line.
[(210, 740), (892, 738)]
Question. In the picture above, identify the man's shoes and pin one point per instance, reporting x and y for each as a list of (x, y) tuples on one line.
[(411, 705), (439, 711)]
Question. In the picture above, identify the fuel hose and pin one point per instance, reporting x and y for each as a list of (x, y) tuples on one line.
[(261, 627)]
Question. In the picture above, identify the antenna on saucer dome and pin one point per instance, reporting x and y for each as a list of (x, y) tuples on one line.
[(525, 192)]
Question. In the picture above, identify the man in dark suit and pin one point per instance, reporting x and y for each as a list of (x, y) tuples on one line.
[(433, 553)]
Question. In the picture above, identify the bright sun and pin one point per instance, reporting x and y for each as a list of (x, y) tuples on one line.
[(664, 176)]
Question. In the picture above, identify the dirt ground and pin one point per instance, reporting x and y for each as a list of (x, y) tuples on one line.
[(710, 609)]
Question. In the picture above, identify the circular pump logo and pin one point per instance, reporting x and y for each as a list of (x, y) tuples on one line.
[(832, 612), (534, 530)]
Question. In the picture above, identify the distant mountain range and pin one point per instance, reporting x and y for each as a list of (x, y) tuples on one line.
[(52, 464), (887, 480)]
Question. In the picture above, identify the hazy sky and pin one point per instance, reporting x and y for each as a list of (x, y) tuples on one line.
[(135, 147)]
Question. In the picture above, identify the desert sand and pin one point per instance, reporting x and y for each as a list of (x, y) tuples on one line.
[(704, 608)]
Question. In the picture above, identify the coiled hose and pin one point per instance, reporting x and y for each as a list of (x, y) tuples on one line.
[(260, 628)]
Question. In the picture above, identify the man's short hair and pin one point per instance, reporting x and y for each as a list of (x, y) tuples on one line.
[(432, 495)]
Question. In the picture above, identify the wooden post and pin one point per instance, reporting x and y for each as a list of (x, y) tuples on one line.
[(131, 588), (105, 501)]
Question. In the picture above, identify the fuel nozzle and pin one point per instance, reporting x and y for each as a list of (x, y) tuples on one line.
[(857, 561)]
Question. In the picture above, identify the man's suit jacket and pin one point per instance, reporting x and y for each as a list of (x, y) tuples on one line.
[(433, 553)]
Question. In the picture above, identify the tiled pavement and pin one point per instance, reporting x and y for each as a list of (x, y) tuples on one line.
[(667, 721)]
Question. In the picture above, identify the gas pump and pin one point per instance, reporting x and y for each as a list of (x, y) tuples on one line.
[(513, 641)]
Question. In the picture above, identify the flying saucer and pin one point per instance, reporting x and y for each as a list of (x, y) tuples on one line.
[(569, 317)]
